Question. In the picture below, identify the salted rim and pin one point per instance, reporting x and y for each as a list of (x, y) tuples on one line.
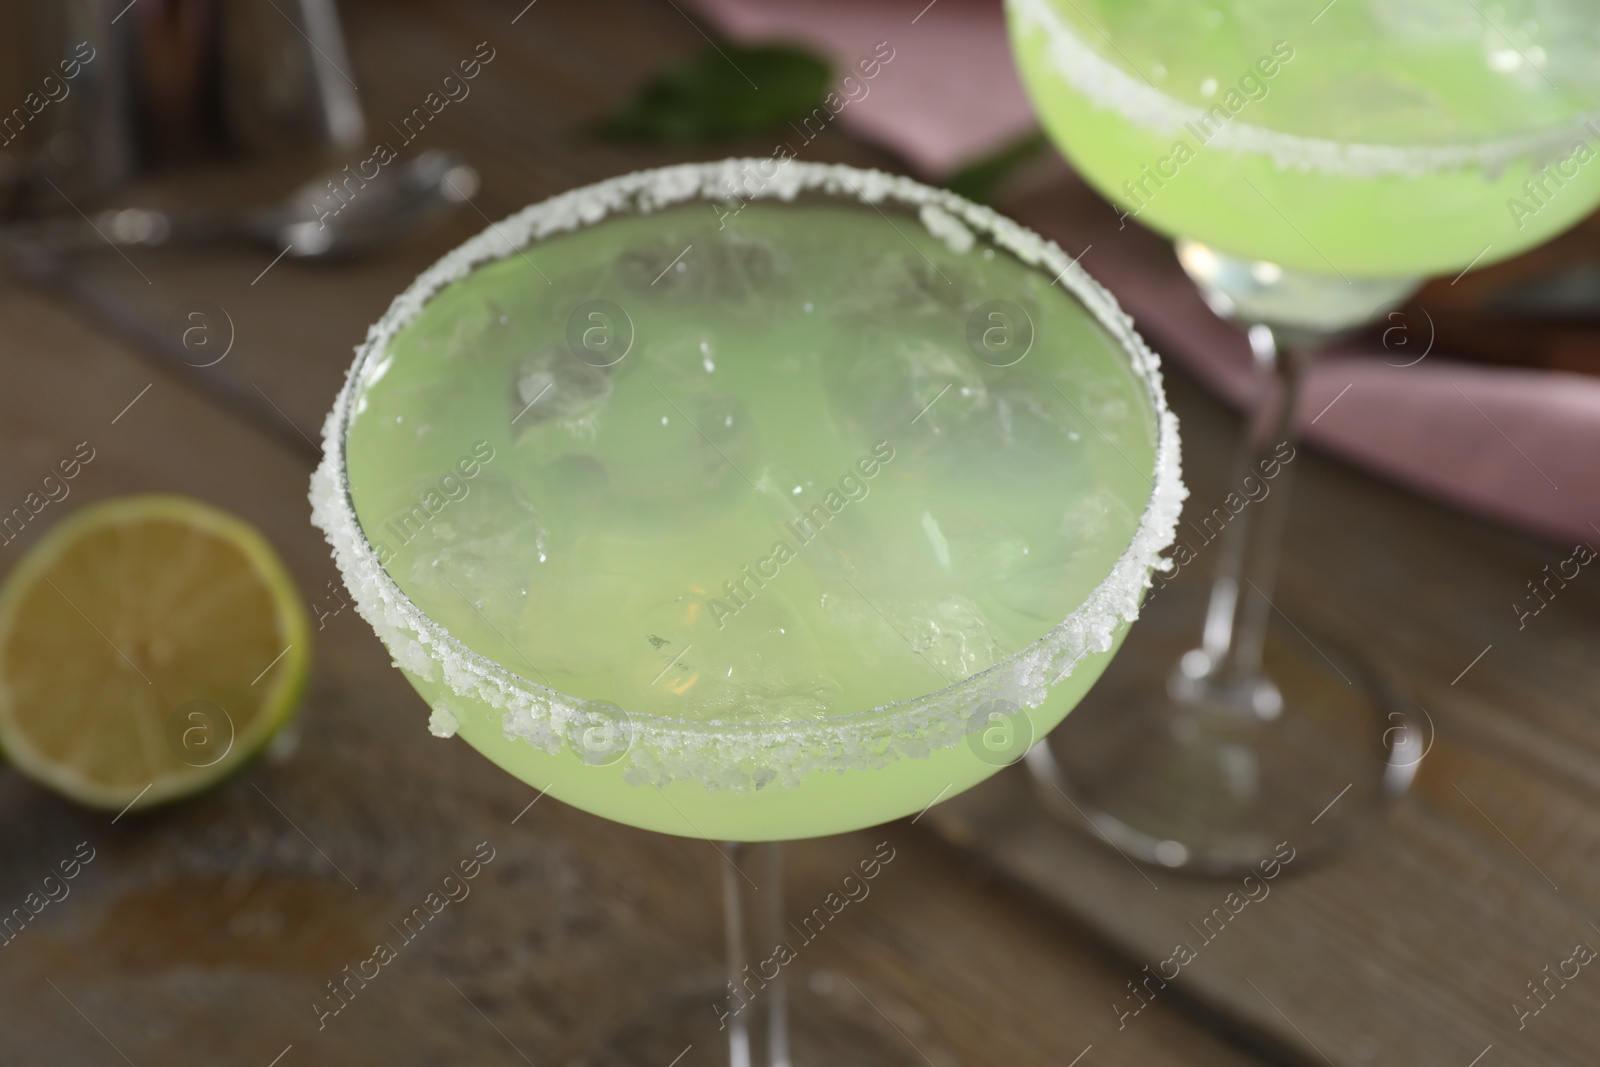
[(740, 756), (1109, 86)]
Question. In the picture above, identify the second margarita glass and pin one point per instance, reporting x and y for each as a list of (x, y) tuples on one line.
[(1314, 166)]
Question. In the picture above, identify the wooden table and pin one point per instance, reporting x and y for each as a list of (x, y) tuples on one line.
[(205, 933)]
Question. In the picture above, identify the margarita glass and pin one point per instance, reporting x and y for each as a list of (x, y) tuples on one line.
[(1314, 166), (750, 501)]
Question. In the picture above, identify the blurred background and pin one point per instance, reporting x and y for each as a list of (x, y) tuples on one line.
[(171, 299)]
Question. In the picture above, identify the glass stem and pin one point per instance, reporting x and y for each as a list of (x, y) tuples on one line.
[(757, 1009), (1240, 606)]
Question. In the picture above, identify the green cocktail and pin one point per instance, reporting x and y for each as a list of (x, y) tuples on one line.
[(751, 501), (751, 516), (1373, 140), (1315, 162)]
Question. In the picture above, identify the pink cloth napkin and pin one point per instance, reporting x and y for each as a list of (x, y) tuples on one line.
[(1516, 445), (948, 95)]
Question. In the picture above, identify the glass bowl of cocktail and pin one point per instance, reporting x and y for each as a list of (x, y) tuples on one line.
[(1314, 163), (751, 501)]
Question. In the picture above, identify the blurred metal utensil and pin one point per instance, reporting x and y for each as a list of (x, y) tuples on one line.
[(335, 214), (339, 214), (95, 92)]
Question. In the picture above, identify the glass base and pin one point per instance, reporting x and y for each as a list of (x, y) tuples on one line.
[(831, 1020), (1179, 773)]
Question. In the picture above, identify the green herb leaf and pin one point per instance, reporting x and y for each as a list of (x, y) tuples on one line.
[(981, 179), (724, 92)]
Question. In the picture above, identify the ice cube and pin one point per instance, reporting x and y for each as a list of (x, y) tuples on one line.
[(552, 630), (471, 331), (1061, 570), (952, 634), (971, 546), (948, 633), (1024, 432), (479, 548), (906, 390), (690, 362), (745, 658), (681, 448), (732, 268), (551, 385), (904, 285), (1092, 516)]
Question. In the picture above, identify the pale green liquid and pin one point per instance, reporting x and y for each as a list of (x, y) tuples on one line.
[(633, 540), (1411, 74)]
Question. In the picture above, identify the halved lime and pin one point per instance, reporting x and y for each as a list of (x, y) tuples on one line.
[(149, 646)]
